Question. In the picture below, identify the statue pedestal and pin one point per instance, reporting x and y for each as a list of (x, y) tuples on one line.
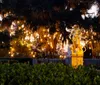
[(77, 59)]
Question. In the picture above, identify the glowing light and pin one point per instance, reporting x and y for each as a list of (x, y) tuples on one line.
[(31, 38), (93, 11), (65, 46), (23, 26), (94, 33), (41, 40), (87, 15), (82, 43), (51, 45), (61, 56), (18, 22), (83, 16), (33, 56), (12, 55), (27, 37), (68, 30), (48, 35), (48, 30), (94, 41), (13, 23), (66, 7), (44, 30), (19, 28), (44, 35), (7, 14), (54, 35), (9, 52), (2, 42), (1, 17), (12, 33), (11, 27), (71, 9)]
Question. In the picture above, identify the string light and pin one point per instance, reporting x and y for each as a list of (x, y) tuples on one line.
[(41, 40)]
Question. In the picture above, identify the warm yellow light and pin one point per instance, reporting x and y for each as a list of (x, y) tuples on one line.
[(9, 52), (90, 42), (31, 53), (54, 35), (44, 30), (27, 37), (22, 43), (82, 43), (51, 45), (12, 33), (28, 45), (12, 49), (37, 35), (31, 38), (43, 49), (12, 55), (48, 35), (47, 30), (61, 56), (18, 22), (95, 41), (41, 40), (33, 56), (23, 26), (44, 35)]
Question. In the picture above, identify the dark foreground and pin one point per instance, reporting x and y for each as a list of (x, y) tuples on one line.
[(47, 74)]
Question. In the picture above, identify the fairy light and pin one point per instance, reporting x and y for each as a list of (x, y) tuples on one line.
[(66, 46), (22, 26), (18, 22), (42, 40), (33, 56), (61, 56), (44, 36), (48, 30), (44, 30), (11, 52), (12, 55), (82, 43), (31, 38), (19, 28), (12, 33), (36, 34), (5, 15), (1, 17), (27, 37)]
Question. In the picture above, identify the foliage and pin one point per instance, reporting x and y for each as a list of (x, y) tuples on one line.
[(47, 74)]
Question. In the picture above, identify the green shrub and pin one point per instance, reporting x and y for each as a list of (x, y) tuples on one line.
[(48, 74)]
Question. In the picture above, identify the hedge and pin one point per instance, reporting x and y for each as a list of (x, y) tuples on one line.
[(48, 74)]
